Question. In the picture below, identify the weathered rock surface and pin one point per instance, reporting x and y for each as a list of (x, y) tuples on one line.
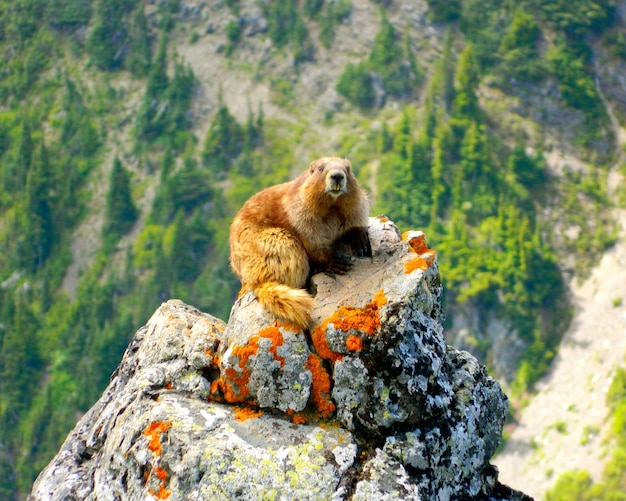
[(370, 405)]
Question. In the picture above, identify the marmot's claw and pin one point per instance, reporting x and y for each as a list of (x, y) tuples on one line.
[(340, 265), (359, 240), (363, 247)]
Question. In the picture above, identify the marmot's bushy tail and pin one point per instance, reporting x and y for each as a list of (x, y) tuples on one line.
[(285, 302)]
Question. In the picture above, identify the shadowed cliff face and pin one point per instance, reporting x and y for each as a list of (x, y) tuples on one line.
[(370, 405)]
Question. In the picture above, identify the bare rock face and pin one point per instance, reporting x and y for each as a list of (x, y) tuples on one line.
[(369, 405)]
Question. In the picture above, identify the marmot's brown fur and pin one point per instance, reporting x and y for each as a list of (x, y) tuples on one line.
[(287, 232)]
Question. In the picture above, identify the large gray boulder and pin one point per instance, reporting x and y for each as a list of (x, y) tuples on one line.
[(369, 405)]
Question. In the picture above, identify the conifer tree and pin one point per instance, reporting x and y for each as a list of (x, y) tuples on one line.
[(78, 135), (20, 363), (107, 35), (15, 172), (68, 13), (467, 79), (38, 232), (357, 86), (121, 212), (139, 54), (156, 86), (223, 143)]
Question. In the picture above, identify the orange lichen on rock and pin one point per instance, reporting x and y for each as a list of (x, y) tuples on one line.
[(346, 319), (233, 383), (153, 432), (162, 493), (320, 386), (354, 343), (276, 337), (425, 256), (318, 336), (298, 418), (243, 413)]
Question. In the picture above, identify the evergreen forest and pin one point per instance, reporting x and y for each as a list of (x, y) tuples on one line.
[(118, 181)]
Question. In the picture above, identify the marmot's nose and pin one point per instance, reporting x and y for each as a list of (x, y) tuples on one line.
[(337, 177)]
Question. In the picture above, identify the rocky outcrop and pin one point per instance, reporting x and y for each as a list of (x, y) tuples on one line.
[(370, 405)]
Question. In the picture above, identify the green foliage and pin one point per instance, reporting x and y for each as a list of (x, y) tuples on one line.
[(393, 64), (119, 36), (286, 27), (571, 485), (107, 35), (79, 135), (576, 85), (616, 42), (465, 102), (185, 190), (579, 484), (37, 220), (139, 53), (484, 23), (164, 113), (20, 72), (518, 54), (121, 213), (333, 14), (575, 17), (443, 10), (68, 13), (223, 143), (356, 85), (312, 7), (233, 33)]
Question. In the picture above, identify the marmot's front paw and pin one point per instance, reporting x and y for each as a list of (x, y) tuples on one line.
[(359, 240), (340, 265)]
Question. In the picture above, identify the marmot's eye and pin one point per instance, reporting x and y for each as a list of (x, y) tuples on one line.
[(320, 168)]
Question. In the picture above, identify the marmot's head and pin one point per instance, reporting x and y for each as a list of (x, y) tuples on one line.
[(335, 172)]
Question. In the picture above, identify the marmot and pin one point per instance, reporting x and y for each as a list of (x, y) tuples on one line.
[(285, 233)]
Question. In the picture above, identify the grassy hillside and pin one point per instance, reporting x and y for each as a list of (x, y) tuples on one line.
[(131, 132)]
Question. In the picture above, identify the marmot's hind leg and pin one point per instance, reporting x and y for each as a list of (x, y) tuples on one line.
[(284, 258), (277, 269)]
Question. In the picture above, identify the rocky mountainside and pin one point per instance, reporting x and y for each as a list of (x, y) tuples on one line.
[(567, 424), (131, 131), (373, 405)]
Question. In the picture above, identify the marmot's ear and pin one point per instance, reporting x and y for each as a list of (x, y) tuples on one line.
[(347, 164), (312, 166)]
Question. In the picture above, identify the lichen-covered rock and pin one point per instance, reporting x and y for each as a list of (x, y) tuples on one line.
[(369, 405)]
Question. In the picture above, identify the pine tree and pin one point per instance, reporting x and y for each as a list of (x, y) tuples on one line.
[(107, 36), (38, 232), (357, 86), (15, 172), (147, 120), (139, 54), (68, 13), (78, 134), (467, 79), (223, 143), (121, 212)]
